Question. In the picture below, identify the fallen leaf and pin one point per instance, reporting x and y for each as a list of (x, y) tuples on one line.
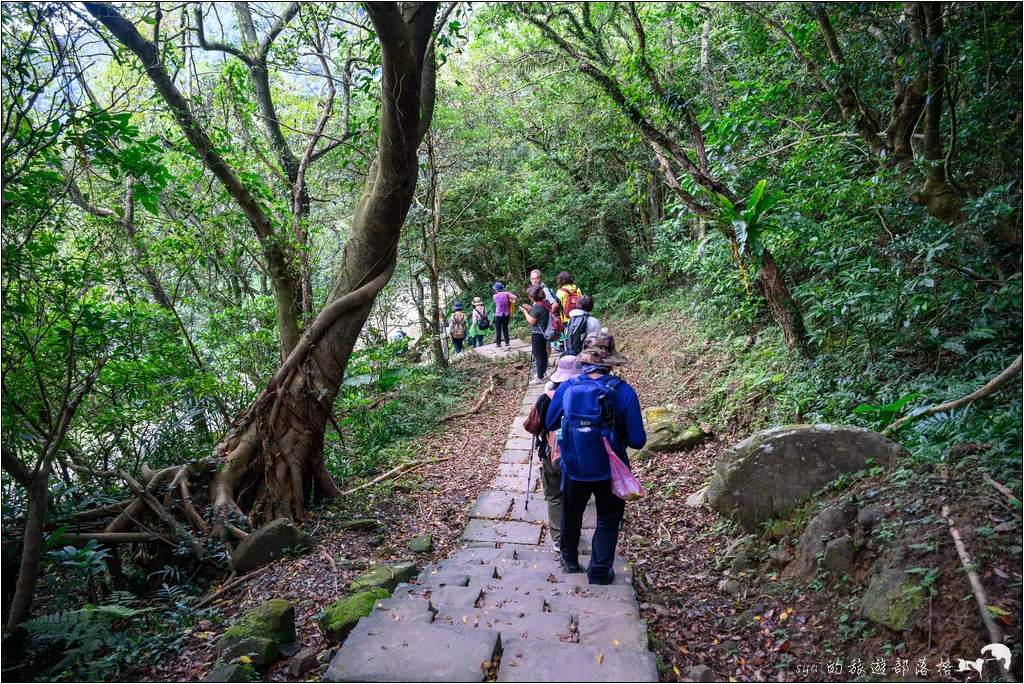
[(245, 659), (600, 657)]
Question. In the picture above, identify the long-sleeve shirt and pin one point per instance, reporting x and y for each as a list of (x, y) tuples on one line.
[(625, 405)]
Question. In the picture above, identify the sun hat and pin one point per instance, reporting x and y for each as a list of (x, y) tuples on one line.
[(568, 368), (599, 350), (457, 306), (477, 301), (498, 287)]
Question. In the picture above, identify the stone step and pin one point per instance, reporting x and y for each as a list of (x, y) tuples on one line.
[(578, 606), (525, 660), (515, 456), (439, 597), (492, 504), (411, 610), (446, 579), (397, 652), (520, 443), (514, 484), (469, 569), (513, 625), (468, 555), (512, 600), (517, 470), (616, 592), (543, 589), (502, 531), (605, 631)]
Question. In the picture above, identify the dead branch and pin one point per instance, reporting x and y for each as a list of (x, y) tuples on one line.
[(404, 468), (989, 388), (994, 635), (1002, 489), (229, 586), (478, 405)]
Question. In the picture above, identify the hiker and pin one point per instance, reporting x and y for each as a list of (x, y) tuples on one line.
[(457, 327), (568, 296), (581, 323), (552, 301), (479, 322), (539, 318), (503, 303), (595, 405), (547, 448)]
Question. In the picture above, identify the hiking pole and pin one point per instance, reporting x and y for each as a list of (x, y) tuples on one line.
[(529, 472)]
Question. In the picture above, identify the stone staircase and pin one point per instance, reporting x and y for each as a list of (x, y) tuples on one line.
[(504, 597)]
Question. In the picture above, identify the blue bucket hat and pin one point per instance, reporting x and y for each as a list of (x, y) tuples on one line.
[(498, 287), (457, 306)]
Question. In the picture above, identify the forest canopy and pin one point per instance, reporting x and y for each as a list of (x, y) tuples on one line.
[(215, 216)]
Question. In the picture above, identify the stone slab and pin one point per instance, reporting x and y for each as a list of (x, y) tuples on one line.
[(480, 545), (468, 555), (387, 618), (542, 589), (375, 652), (579, 607), (515, 456), (516, 470), (440, 597), (502, 531), (548, 567), (521, 443), (469, 569), (446, 579), (512, 625), (513, 602), (513, 484), (459, 560), (538, 511), (492, 504), (523, 576), (526, 660), (603, 631), (402, 609), (617, 592)]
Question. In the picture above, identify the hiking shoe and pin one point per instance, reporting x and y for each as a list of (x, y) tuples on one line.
[(604, 579), (556, 547), (570, 568), (538, 381)]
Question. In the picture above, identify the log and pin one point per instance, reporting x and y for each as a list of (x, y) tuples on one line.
[(1002, 489), (995, 636)]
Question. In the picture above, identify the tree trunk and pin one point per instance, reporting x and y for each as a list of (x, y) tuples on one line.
[(431, 231), (781, 303), (31, 550)]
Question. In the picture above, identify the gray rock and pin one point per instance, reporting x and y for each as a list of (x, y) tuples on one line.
[(227, 672), (729, 586), (698, 498), (259, 633), (421, 544), (700, 673), (780, 557), (361, 525), (376, 652), (893, 600), (269, 543), (304, 661), (872, 514), (770, 472), (839, 555), (833, 518), (386, 576)]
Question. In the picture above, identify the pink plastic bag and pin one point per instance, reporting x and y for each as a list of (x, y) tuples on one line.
[(624, 483)]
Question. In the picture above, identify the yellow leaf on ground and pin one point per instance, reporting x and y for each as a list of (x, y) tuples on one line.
[(615, 641), (245, 659), (676, 670), (600, 657), (684, 649)]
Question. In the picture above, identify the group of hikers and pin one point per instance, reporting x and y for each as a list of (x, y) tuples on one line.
[(559, 320), (586, 417)]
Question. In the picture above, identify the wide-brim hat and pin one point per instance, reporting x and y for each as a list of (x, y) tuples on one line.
[(498, 287), (477, 301), (568, 368), (457, 306), (599, 350)]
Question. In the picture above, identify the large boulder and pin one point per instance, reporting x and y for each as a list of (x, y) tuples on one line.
[(386, 576), (340, 617), (893, 600), (768, 473), (269, 543), (259, 633)]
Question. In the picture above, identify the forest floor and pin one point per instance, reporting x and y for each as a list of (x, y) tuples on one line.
[(769, 626)]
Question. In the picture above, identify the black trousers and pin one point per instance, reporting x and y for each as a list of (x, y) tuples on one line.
[(457, 342), (500, 326), (575, 495), (540, 353)]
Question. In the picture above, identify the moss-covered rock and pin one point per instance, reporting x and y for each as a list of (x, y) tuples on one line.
[(268, 543), (339, 618), (227, 672), (385, 576), (893, 600), (361, 525), (259, 633), (422, 543)]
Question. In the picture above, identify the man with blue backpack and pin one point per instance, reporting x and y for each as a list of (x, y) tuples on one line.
[(586, 411)]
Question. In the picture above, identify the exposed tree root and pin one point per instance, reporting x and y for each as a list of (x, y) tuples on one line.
[(404, 468), (229, 586)]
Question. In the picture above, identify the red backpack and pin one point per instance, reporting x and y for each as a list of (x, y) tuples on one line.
[(572, 300)]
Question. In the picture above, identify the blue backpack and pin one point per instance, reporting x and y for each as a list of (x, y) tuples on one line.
[(588, 416)]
